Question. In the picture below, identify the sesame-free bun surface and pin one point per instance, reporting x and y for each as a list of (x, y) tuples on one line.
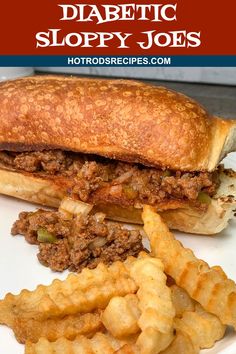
[(121, 119)]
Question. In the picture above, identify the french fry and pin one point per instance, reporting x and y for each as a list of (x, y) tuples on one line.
[(181, 344), (52, 329), (193, 324), (152, 341), (121, 315), (127, 349), (131, 301), (181, 300), (157, 311), (203, 328), (208, 286), (100, 343), (196, 329), (79, 293)]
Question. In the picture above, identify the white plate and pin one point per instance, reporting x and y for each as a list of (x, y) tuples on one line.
[(20, 269)]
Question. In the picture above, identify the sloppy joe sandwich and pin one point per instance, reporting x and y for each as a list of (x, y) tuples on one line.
[(118, 145)]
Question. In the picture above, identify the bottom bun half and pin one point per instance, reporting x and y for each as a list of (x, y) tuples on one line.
[(46, 192)]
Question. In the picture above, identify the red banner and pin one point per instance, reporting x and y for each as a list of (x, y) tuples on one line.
[(181, 27)]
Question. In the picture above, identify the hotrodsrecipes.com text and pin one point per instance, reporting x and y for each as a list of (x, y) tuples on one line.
[(119, 60)]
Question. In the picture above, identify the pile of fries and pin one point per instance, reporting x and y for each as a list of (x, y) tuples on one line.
[(130, 307)]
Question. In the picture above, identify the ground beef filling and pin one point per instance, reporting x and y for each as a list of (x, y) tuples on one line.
[(96, 180), (80, 242)]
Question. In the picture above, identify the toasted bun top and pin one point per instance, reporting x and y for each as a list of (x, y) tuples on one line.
[(120, 119)]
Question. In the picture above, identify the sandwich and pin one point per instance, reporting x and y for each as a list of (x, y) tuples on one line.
[(116, 144)]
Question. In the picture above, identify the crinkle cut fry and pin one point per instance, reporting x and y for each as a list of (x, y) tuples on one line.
[(181, 300), (79, 293), (121, 315), (128, 349), (181, 344), (209, 286), (203, 328), (69, 327), (157, 310), (100, 343), (195, 328)]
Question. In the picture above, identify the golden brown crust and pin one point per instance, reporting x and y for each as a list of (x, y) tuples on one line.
[(183, 217), (121, 119)]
